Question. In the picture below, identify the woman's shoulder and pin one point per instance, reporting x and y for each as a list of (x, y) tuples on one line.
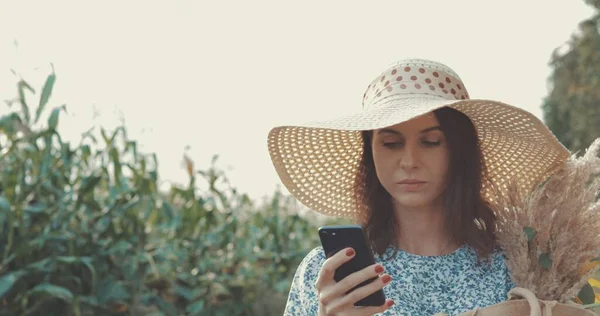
[(313, 260), (493, 261), (497, 259), (308, 269), (496, 270)]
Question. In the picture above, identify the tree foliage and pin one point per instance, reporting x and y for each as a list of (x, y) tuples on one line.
[(572, 109)]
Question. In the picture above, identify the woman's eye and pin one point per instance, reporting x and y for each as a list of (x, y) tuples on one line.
[(431, 143), (392, 144)]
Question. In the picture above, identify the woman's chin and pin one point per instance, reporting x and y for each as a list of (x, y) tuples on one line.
[(413, 200)]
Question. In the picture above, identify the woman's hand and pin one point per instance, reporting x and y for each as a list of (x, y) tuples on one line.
[(333, 299)]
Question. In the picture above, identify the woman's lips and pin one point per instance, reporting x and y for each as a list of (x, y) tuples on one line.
[(411, 184), (411, 181)]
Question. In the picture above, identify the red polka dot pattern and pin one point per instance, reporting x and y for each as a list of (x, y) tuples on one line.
[(437, 82)]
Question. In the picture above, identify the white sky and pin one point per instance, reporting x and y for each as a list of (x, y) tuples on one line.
[(217, 75)]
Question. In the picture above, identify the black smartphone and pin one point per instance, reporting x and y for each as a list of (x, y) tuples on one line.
[(336, 238)]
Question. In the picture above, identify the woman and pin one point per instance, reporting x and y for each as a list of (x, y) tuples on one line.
[(416, 168)]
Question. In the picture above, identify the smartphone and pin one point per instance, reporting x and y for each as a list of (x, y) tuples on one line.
[(336, 238)]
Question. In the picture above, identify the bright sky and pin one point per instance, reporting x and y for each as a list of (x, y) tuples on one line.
[(217, 75)]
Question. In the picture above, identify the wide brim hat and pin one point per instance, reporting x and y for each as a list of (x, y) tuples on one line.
[(318, 161)]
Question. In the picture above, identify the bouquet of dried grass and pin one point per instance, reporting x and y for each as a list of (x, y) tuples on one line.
[(551, 235)]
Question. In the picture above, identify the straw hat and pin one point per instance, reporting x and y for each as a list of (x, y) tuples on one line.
[(317, 162)]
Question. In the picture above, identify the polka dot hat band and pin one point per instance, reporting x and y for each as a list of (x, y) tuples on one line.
[(415, 80), (318, 161)]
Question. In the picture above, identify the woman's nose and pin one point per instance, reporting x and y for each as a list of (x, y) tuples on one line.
[(409, 158)]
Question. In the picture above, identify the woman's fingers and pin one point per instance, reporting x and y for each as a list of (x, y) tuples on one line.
[(357, 278), (371, 310), (330, 265), (366, 290), (347, 301), (334, 298)]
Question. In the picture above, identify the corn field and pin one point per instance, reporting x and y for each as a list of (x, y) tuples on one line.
[(86, 231)]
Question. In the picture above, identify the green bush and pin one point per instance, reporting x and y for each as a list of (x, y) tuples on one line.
[(86, 231)]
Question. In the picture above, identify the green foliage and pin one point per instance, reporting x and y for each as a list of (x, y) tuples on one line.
[(572, 110), (586, 295), (530, 233), (85, 230), (545, 261)]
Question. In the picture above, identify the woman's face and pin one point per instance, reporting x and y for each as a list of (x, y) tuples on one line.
[(411, 160)]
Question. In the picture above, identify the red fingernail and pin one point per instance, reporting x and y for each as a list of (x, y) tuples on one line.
[(386, 278), (378, 269), (350, 252), (390, 303)]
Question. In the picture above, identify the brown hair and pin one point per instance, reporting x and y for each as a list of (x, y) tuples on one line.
[(469, 218)]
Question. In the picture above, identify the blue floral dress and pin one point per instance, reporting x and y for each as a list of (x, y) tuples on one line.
[(421, 285)]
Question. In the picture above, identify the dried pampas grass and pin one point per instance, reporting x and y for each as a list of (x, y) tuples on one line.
[(551, 234)]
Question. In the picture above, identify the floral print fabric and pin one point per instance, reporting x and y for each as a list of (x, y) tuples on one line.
[(421, 285)]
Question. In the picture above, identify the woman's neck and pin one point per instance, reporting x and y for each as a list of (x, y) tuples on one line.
[(422, 231)]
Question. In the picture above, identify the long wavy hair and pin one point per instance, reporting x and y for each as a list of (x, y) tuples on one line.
[(469, 219)]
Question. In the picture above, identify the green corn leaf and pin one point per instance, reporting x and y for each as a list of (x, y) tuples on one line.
[(167, 307), (7, 281), (107, 140), (52, 290), (8, 123), (184, 292), (53, 119), (121, 246), (22, 86), (113, 291), (195, 308), (4, 204), (36, 209), (86, 261), (114, 154), (89, 135), (89, 183), (46, 92), (86, 152)]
